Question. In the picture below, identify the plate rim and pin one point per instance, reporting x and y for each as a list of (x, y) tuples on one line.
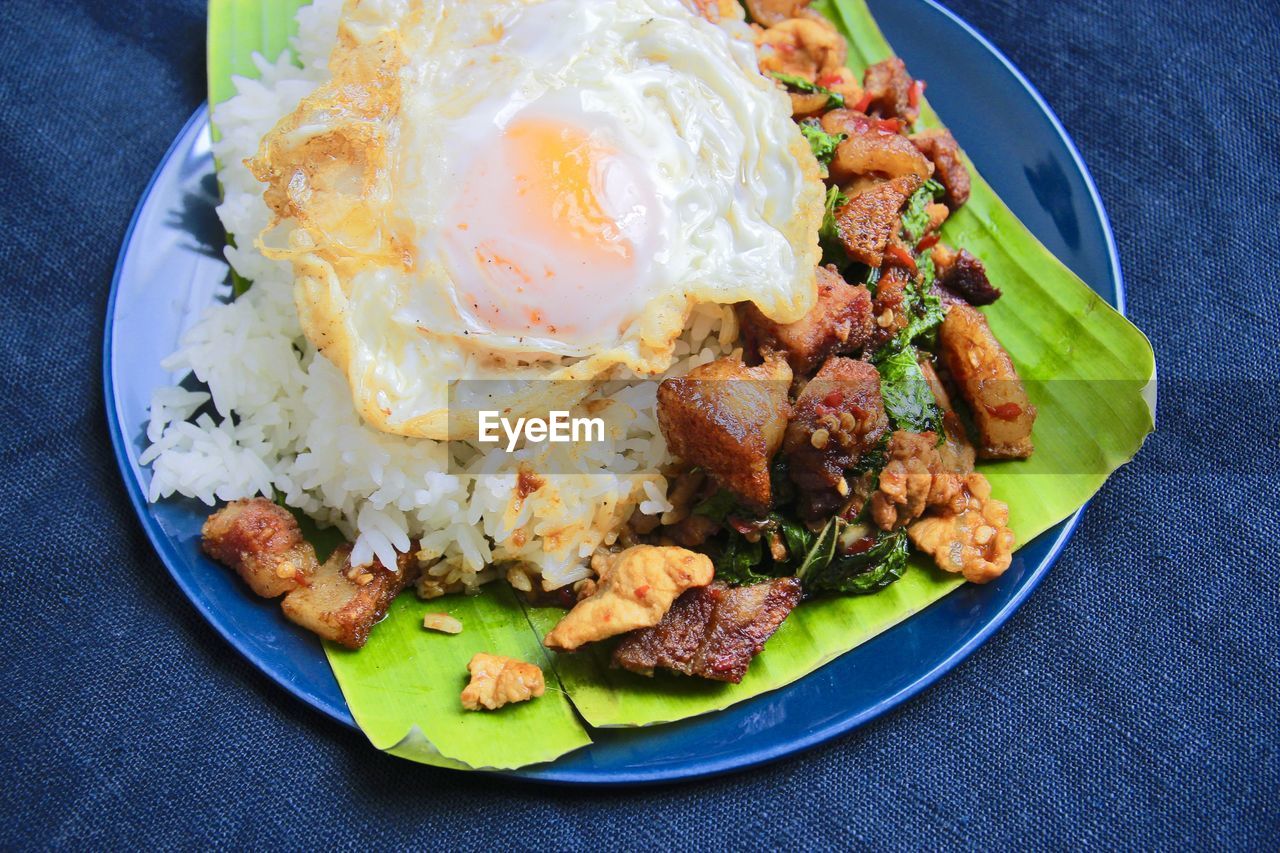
[(548, 773), (155, 535)]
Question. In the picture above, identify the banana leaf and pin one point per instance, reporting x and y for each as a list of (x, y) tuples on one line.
[(403, 687), (237, 29), (1088, 371)]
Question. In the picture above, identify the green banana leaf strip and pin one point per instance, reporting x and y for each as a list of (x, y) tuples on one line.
[(240, 28), (1088, 371), (403, 687)]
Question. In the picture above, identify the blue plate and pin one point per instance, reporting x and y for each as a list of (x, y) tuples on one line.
[(171, 267)]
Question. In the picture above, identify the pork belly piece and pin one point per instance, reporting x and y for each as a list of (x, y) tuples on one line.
[(887, 312), (839, 322), (960, 274), (636, 589), (865, 222), (712, 632), (984, 374), (871, 149), (343, 604), (948, 166), (889, 85), (262, 542), (838, 417), (729, 419)]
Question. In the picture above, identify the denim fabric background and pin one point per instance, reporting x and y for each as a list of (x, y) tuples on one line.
[(1134, 700)]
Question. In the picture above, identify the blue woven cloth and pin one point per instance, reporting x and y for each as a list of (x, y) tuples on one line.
[(1134, 701)]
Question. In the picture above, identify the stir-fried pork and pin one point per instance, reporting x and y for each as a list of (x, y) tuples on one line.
[(342, 603), (729, 419), (986, 378), (871, 149), (948, 166), (889, 86), (802, 47), (866, 221), (712, 632), (887, 311), (262, 542), (962, 275), (838, 417), (839, 322)]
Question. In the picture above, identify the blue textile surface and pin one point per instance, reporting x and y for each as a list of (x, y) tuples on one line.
[(1134, 701)]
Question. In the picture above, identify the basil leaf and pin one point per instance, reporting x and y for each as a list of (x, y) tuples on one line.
[(821, 551), (908, 399), (798, 537), (833, 251), (717, 506), (865, 572), (822, 144), (738, 560), (916, 217), (798, 84)]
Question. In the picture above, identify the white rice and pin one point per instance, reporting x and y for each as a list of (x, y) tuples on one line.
[(296, 433)]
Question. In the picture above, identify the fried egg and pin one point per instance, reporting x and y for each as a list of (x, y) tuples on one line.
[(526, 190)]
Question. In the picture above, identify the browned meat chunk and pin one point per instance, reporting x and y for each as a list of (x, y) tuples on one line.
[(712, 632), (838, 417), (986, 378), (871, 149), (963, 275), (342, 603), (729, 419), (889, 86), (948, 166), (888, 315), (938, 214), (262, 542), (839, 322), (843, 82), (865, 222)]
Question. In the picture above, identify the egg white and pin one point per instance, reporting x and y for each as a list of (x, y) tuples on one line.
[(376, 175)]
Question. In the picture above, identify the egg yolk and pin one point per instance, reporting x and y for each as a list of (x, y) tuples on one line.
[(551, 232)]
